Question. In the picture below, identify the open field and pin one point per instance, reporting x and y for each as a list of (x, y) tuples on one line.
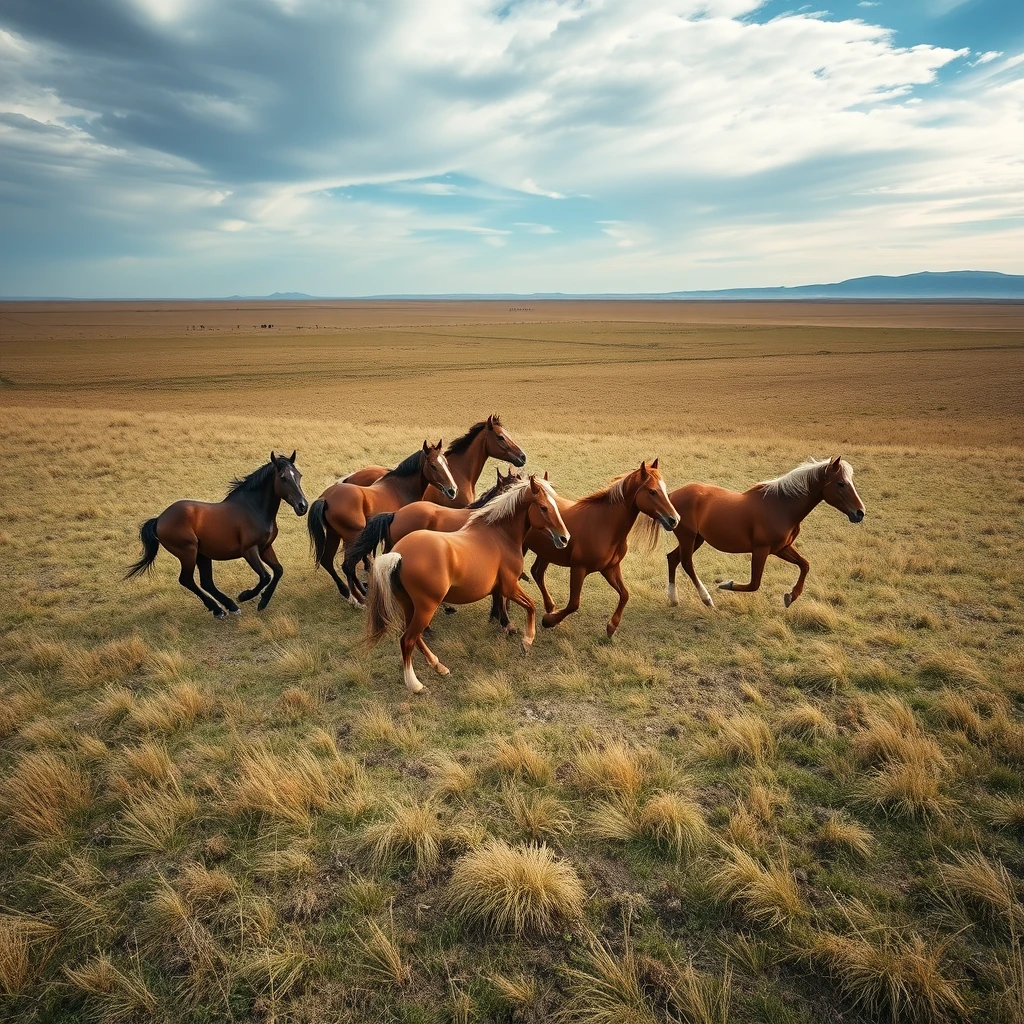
[(751, 814)]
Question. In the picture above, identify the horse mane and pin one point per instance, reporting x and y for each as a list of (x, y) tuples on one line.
[(506, 505), (460, 444), (613, 494), (408, 466), (797, 482), (255, 481), (486, 497)]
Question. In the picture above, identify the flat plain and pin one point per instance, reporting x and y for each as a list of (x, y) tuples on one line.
[(747, 814)]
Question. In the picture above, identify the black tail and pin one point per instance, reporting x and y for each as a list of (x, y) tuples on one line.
[(150, 549), (376, 532), (316, 523)]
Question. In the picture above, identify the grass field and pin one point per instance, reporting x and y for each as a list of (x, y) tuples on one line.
[(750, 814)]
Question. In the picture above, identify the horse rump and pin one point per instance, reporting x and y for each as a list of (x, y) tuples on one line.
[(383, 609), (375, 534), (150, 549)]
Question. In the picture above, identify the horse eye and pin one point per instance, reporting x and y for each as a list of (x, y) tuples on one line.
[(841, 484)]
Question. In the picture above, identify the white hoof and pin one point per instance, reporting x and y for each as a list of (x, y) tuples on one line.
[(441, 670), (673, 598), (237, 611)]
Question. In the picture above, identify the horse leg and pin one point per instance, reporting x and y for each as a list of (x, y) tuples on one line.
[(537, 572), (206, 579), (187, 579), (673, 564), (757, 560), (577, 574), (358, 591), (269, 557), (432, 660), (613, 574), (790, 554), (251, 555), (331, 546), (522, 599), (416, 620), (687, 559), (499, 611)]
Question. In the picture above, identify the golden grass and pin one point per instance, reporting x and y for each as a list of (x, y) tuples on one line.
[(524, 890), (762, 894), (606, 988), (807, 722), (180, 706), (538, 815), (744, 738), (983, 889), (407, 831), (25, 946), (905, 790), (674, 823), (450, 776), (42, 794), (614, 770), (517, 757), (380, 954), (291, 786), (118, 994), (839, 834), (152, 823)]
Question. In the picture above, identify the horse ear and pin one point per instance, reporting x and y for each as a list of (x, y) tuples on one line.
[(440, 442), (490, 421), (534, 486), (273, 458), (654, 464), (292, 459), (833, 466), (545, 474), (643, 468)]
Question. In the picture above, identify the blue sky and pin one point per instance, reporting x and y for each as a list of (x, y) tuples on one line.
[(353, 147)]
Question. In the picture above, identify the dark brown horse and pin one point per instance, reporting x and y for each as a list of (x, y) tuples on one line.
[(340, 513), (243, 525), (764, 520), (600, 525), (466, 457), (484, 558)]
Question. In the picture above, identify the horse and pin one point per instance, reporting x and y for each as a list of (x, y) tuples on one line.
[(764, 520), (466, 457), (385, 529), (243, 525), (600, 525), (341, 512), (484, 557)]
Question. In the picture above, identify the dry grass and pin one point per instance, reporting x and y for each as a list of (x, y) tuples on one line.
[(408, 831), (517, 757), (614, 770), (839, 834), (25, 946), (153, 823), (117, 994), (674, 823), (180, 706), (765, 895), (744, 738), (905, 790), (537, 814), (450, 776), (606, 988), (984, 891), (525, 890), (290, 786), (42, 794), (381, 956), (807, 722)]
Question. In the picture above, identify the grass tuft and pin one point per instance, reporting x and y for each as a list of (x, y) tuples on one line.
[(42, 794), (763, 895), (614, 770), (524, 890), (674, 823), (380, 954), (409, 831)]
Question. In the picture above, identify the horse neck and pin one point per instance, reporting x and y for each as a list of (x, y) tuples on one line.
[(467, 466), (614, 518), (264, 501), (800, 506), (516, 526)]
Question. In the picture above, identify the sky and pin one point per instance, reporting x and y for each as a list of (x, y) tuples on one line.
[(202, 148)]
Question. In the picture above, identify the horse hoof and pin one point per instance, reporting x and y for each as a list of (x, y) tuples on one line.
[(220, 614), (441, 670), (709, 603), (787, 599), (610, 630), (449, 610), (548, 621), (727, 585), (524, 578), (526, 647), (235, 611)]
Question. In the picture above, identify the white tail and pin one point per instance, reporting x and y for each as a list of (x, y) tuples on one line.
[(383, 611)]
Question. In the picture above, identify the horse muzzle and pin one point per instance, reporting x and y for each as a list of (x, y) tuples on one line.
[(450, 492), (669, 522), (560, 540), (301, 507), (518, 460), (857, 516)]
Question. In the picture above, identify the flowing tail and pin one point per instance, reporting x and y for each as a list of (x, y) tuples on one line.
[(383, 610), (316, 523), (376, 532), (150, 549)]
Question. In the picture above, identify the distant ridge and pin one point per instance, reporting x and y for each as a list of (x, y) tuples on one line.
[(951, 284)]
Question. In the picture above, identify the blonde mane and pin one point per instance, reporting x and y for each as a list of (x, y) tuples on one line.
[(504, 506), (613, 494), (797, 482)]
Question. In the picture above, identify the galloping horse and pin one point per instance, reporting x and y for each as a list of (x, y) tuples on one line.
[(600, 525), (466, 457), (388, 527), (243, 525), (341, 512), (764, 520), (484, 557)]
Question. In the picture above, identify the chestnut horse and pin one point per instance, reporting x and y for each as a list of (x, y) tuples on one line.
[(484, 557), (600, 525), (385, 529), (466, 457), (243, 525), (764, 520), (341, 512)]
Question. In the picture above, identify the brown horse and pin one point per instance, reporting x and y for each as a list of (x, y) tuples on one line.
[(600, 525), (484, 557), (764, 520), (341, 512), (385, 529), (243, 525), (466, 457)]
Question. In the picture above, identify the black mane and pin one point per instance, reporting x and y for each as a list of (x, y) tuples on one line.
[(408, 466), (486, 497), (460, 444), (255, 481)]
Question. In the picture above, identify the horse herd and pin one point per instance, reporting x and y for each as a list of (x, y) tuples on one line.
[(444, 545)]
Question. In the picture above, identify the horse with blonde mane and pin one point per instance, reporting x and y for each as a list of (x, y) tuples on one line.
[(483, 558), (600, 525), (764, 520)]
